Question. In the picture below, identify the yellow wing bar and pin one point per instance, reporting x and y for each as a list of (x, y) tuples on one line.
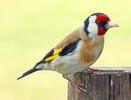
[(54, 55)]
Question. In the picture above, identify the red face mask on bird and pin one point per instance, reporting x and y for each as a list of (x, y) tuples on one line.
[(98, 24)]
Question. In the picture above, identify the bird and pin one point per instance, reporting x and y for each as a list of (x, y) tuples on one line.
[(77, 51)]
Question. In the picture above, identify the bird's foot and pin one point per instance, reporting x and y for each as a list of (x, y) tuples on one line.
[(77, 86), (79, 83), (92, 70)]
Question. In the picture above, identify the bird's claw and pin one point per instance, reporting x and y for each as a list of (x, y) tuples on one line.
[(77, 86), (92, 70)]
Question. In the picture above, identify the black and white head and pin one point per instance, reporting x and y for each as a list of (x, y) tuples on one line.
[(97, 25)]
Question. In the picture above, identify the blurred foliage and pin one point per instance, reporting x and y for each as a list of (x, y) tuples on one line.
[(30, 28)]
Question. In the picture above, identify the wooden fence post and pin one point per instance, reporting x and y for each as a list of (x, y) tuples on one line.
[(108, 84)]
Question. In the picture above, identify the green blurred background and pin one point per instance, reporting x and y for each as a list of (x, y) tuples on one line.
[(30, 28)]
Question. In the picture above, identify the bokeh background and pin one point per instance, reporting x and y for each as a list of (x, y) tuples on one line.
[(30, 28)]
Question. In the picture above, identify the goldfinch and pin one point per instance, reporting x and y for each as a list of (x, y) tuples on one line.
[(79, 50)]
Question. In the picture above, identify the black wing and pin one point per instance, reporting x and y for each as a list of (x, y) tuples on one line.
[(69, 48), (64, 51)]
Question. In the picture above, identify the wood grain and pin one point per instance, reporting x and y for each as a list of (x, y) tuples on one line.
[(108, 84)]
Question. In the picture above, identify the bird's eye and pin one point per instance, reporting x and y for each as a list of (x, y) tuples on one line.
[(99, 23)]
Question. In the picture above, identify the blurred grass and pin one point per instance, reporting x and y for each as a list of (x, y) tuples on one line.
[(29, 29)]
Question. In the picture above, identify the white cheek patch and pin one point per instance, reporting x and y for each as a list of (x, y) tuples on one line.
[(92, 19), (92, 28)]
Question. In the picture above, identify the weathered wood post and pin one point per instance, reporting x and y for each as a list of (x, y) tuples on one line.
[(108, 84)]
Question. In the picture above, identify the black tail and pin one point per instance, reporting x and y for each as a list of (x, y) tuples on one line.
[(27, 73)]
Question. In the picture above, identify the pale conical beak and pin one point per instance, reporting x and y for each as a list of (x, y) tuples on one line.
[(110, 25)]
